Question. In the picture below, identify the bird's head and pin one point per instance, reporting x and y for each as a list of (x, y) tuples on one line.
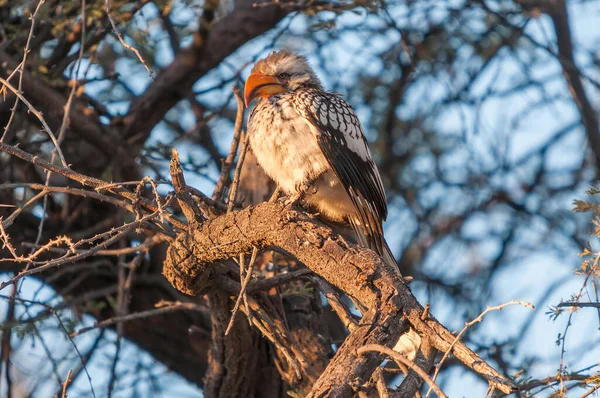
[(280, 72)]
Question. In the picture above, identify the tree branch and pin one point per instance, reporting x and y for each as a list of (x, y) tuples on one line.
[(174, 83), (560, 18), (191, 265)]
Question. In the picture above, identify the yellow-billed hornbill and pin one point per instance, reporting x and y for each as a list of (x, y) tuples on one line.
[(304, 135)]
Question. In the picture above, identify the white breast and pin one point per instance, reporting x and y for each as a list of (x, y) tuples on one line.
[(284, 145)]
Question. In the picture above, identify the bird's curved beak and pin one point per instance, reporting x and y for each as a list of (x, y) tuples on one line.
[(259, 85)]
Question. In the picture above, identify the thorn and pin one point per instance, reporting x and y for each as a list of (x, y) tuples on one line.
[(425, 313)]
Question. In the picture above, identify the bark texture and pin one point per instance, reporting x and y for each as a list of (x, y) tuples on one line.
[(193, 265)]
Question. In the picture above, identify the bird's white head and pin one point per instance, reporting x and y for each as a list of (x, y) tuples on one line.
[(281, 71)]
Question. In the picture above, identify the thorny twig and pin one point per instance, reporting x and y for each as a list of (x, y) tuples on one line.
[(120, 232), (46, 189), (87, 181), (64, 123), (141, 248)]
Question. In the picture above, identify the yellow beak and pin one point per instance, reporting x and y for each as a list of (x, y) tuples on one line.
[(259, 85)]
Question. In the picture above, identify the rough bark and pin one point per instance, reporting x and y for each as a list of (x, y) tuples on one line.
[(192, 266)]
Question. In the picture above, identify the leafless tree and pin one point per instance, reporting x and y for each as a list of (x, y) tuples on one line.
[(140, 246)]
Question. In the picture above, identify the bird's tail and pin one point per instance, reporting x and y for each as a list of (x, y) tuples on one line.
[(388, 257), (408, 343), (374, 240)]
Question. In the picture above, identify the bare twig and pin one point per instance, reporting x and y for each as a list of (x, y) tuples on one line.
[(590, 391), (81, 358), (9, 220), (119, 233), (576, 304), (66, 384), (163, 309), (67, 190), (405, 361), (478, 319), (141, 248), (279, 336), (20, 68), (213, 203), (237, 132), (342, 311), (5, 349), (238, 172), (74, 76), (123, 43), (86, 180), (40, 117), (243, 290)]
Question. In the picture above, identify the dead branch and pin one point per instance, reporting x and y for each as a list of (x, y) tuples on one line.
[(238, 171)]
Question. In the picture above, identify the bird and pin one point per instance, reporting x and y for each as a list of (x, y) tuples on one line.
[(312, 144)]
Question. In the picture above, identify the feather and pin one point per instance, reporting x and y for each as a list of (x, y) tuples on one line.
[(341, 139)]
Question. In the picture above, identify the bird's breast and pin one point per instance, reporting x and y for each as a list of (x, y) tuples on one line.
[(284, 145)]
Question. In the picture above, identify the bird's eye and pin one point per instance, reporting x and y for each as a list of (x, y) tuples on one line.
[(283, 76)]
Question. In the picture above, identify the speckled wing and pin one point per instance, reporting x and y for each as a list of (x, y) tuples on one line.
[(341, 138)]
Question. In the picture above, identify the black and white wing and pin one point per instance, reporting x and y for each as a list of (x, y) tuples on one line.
[(341, 138)]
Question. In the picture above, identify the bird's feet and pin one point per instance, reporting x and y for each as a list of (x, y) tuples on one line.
[(301, 190), (275, 195), (292, 200)]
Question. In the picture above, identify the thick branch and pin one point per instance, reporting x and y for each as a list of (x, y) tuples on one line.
[(191, 261)]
